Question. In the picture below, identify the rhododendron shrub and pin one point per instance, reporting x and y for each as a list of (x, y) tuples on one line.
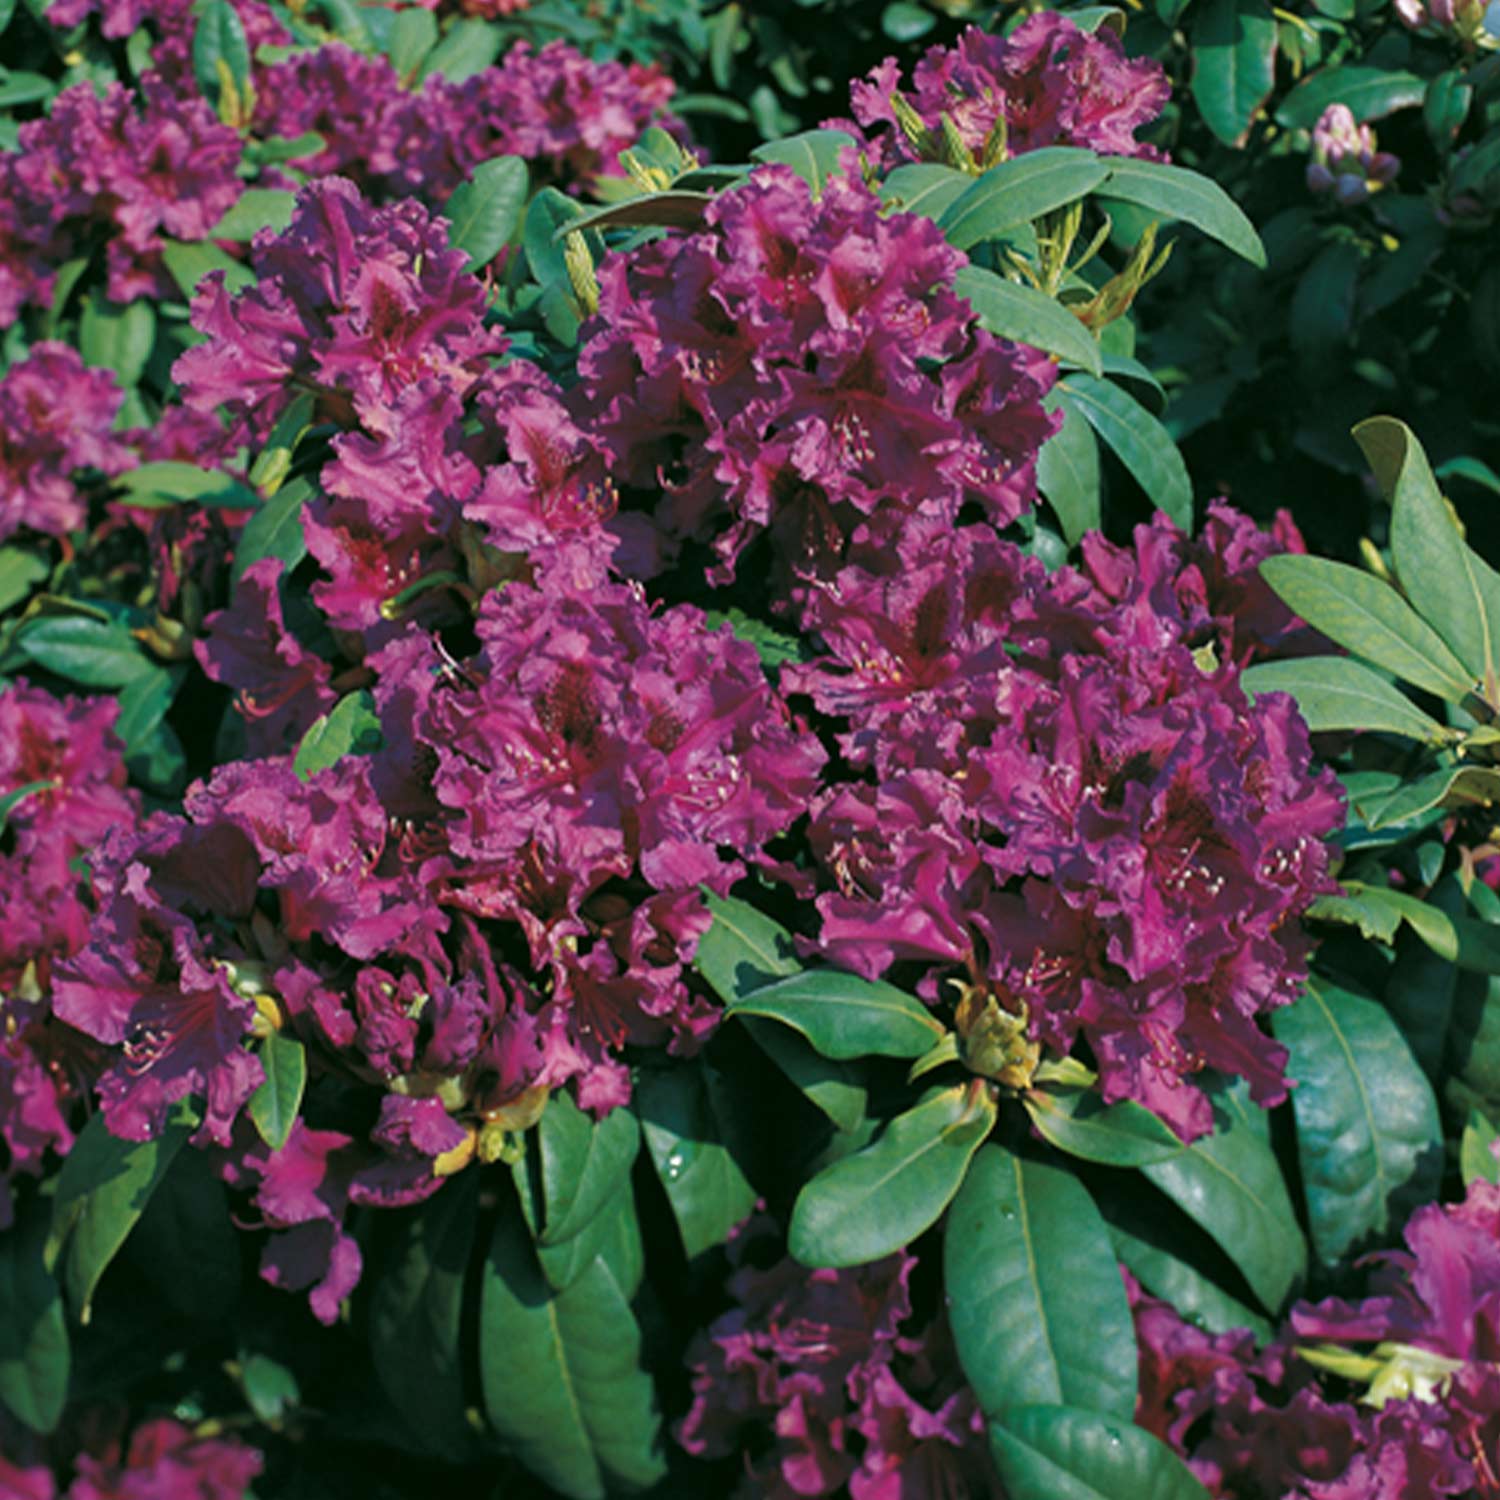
[(653, 838)]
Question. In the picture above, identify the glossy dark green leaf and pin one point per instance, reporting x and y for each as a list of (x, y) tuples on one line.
[(189, 264), (1012, 311), (583, 1162), (1452, 786), (1078, 1121), (1448, 583), (1370, 93), (1020, 190), (548, 214), (1369, 1141), (1234, 64), (1229, 1182), (925, 188), (219, 37), (112, 337), (186, 1245), (561, 1373), (275, 530), (95, 653), (485, 212), (1476, 1150), (273, 1106), (844, 1016), (1366, 615), (1063, 1453), (813, 155), (415, 1316), (35, 1356), (1067, 471), (835, 1088), (172, 482), (903, 21), (350, 727), (1334, 692), (692, 1148), (1176, 193), (20, 572), (256, 209), (673, 209), (102, 1190), (1141, 443), (871, 1203), (1038, 1308)]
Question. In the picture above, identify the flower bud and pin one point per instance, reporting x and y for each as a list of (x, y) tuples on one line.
[(1344, 160)]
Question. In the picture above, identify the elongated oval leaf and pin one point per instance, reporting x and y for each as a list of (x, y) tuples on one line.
[(1176, 193), (692, 1148), (673, 209), (35, 1356), (583, 1163), (1012, 311), (1067, 472), (561, 1374), (275, 530), (484, 211), (219, 37), (813, 155), (835, 1088), (1368, 616), (883, 1197), (189, 264), (1142, 444), (1369, 1140), (1116, 1135), (1230, 1183), (273, 1106), (1020, 190), (1039, 1311), (170, 481), (350, 727), (256, 209), (1449, 584), (1062, 1453), (1370, 94), (1422, 987), (416, 1317), (1453, 786), (117, 338), (1333, 692), (925, 188), (20, 572), (1234, 64), (844, 1016), (96, 653)]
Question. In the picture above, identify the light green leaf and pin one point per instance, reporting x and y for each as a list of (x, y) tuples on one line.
[(1476, 1152), (275, 530), (583, 1163), (813, 155), (1020, 190), (189, 264), (1067, 471), (1176, 193), (485, 211), (844, 1016), (350, 727), (273, 1106), (1012, 311), (1078, 1121), (1142, 444), (96, 653), (925, 188), (257, 209), (1334, 692), (1370, 94), (20, 572), (1039, 1308), (219, 36), (469, 47), (112, 337), (1452, 786), (414, 34), (171, 482)]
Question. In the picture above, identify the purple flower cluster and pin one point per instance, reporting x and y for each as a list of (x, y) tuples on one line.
[(64, 751), (818, 1380), (1070, 810), (802, 367), (1417, 1415), (56, 418), (1047, 84), (164, 1460), (137, 167), (174, 22)]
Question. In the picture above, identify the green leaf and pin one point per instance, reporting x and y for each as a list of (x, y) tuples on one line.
[(171, 482), (1472, 469), (844, 1016), (1176, 193), (350, 727), (485, 211), (1323, 306), (1420, 990), (1039, 1309), (673, 209), (832, 1087), (415, 1315), (1078, 1121), (469, 47), (256, 209), (12, 799), (1022, 313), (1062, 1453), (102, 1190), (1454, 589), (414, 34), (20, 572), (34, 1353), (96, 653), (1234, 64), (189, 264), (111, 337), (561, 1373), (274, 1105), (219, 37), (1369, 1141), (813, 155), (1067, 471), (275, 530), (1142, 444), (1452, 786), (1335, 693), (1476, 1159), (691, 1145), (1230, 1184), (547, 215), (1370, 618), (904, 22), (1020, 190), (925, 188), (883, 1197), (1370, 93), (186, 1244), (582, 1162)]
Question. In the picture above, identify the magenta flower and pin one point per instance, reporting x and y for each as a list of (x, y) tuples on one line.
[(167, 1461)]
